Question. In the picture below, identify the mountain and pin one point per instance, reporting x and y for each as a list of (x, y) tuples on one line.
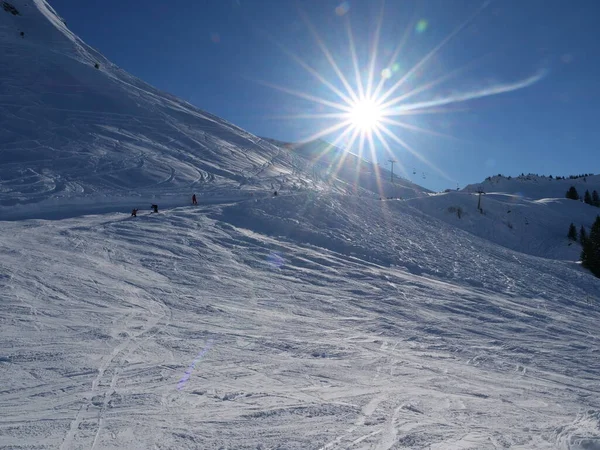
[(72, 131), (537, 187), (327, 317), (351, 172)]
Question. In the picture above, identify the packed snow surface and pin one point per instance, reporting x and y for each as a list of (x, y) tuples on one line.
[(291, 322), (327, 317)]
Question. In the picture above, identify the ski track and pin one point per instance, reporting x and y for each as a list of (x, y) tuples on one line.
[(315, 345)]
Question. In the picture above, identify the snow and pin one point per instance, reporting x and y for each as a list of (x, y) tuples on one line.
[(333, 163), (537, 227), (322, 318), (537, 187), (408, 334), (71, 131)]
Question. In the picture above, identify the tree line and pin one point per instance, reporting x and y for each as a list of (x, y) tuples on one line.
[(530, 176), (591, 199), (590, 244)]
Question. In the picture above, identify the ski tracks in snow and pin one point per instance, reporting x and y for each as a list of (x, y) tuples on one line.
[(91, 415)]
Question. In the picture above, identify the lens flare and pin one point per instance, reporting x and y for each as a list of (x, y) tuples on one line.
[(386, 73), (342, 8), (190, 369), (421, 26), (275, 260)]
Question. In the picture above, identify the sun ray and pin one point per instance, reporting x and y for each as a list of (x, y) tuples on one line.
[(433, 52), (386, 146), (310, 116), (305, 96), (327, 131), (415, 153), (359, 84), (411, 127), (329, 56), (345, 153), (374, 158), (339, 139), (427, 86), (389, 150), (361, 146), (397, 51), (310, 70), (374, 49), (416, 112)]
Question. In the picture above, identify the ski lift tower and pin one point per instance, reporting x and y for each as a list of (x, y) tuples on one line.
[(480, 191), (392, 161)]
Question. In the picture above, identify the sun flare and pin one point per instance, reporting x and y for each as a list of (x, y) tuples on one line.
[(365, 115), (367, 112)]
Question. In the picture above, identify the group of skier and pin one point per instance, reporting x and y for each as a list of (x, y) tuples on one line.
[(154, 207)]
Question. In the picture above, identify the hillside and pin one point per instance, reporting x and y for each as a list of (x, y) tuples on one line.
[(71, 131), (352, 173), (535, 227), (536, 187)]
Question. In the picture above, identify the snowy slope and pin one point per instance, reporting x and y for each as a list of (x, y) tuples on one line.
[(528, 213), (352, 173), (537, 227), (536, 187), (71, 131), (297, 322)]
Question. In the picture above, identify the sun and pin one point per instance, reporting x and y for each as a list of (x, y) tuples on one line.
[(370, 107), (365, 115)]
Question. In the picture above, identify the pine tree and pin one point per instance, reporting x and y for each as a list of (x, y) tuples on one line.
[(595, 199), (590, 255), (587, 198), (572, 193), (582, 235), (572, 234)]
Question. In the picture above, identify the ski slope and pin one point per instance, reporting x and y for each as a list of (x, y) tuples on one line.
[(323, 322), (536, 227), (323, 318), (71, 131)]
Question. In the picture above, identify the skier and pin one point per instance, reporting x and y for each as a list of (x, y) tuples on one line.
[(155, 208), (134, 212), (194, 201)]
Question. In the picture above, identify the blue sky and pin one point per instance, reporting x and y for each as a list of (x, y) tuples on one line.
[(237, 59)]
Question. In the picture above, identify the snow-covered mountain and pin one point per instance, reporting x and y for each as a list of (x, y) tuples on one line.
[(536, 187), (342, 168), (323, 318), (71, 130)]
